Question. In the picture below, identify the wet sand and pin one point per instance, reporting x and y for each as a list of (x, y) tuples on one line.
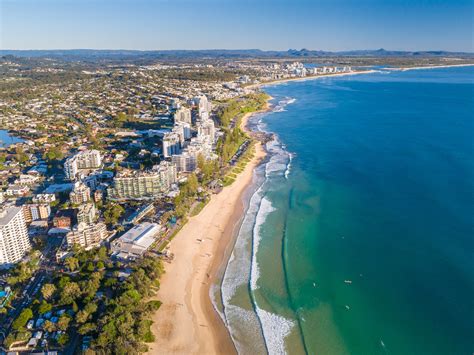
[(187, 322)]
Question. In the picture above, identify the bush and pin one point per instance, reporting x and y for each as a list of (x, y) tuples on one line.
[(22, 319)]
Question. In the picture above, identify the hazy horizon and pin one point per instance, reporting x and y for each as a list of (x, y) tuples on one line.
[(231, 49)]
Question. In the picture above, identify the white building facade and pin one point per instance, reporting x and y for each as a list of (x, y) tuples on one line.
[(85, 160), (14, 241)]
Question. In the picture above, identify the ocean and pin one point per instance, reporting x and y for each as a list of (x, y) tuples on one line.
[(358, 236)]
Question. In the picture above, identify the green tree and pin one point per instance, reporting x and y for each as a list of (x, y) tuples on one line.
[(63, 281), (20, 155), (53, 154), (20, 322), (90, 286), (87, 328), (113, 212), (90, 266), (71, 263), (69, 293), (63, 339), (102, 253), (48, 291), (44, 307), (49, 326), (83, 315), (63, 322)]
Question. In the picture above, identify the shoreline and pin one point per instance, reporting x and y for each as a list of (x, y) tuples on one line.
[(429, 67), (368, 71), (311, 77), (188, 322)]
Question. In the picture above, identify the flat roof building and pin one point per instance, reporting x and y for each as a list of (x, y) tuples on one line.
[(136, 241)]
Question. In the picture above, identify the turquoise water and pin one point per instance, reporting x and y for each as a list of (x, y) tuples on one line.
[(6, 139), (359, 237)]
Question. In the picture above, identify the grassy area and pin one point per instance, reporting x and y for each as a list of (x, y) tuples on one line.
[(176, 231), (232, 112), (234, 109), (198, 208), (240, 165)]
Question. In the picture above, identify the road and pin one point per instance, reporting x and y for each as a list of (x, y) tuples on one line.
[(33, 287), (24, 300), (242, 149)]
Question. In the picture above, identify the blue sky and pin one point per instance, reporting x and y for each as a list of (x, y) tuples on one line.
[(237, 24)]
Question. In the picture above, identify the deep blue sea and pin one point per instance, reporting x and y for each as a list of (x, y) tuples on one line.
[(359, 236)]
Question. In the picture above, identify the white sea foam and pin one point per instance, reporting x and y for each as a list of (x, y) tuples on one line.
[(279, 158), (249, 331), (275, 329), (242, 267), (239, 261), (288, 166), (212, 295), (243, 324), (280, 107), (265, 209), (276, 165)]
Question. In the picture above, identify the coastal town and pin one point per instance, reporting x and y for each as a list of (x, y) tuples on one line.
[(99, 170), (236, 178), (102, 165)]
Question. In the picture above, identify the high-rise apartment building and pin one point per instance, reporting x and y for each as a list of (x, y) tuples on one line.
[(81, 193), (14, 241), (182, 115), (171, 144), (143, 185), (85, 160), (86, 213), (87, 235)]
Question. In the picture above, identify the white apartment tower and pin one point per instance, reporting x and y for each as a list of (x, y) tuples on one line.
[(14, 242), (167, 173), (206, 128), (203, 105), (85, 160), (143, 185), (182, 115), (185, 128), (171, 144), (87, 235), (86, 214), (81, 193)]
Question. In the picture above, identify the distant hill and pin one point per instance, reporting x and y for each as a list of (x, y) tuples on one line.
[(94, 55), (375, 53)]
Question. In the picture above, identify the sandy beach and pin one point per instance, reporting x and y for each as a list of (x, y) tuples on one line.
[(313, 77), (187, 322), (430, 67)]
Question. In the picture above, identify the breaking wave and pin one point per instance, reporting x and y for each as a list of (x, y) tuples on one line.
[(256, 330), (280, 107)]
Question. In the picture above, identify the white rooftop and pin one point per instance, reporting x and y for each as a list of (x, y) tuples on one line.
[(142, 235), (7, 214)]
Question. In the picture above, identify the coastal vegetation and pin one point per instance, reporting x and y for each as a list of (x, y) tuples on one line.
[(230, 116), (94, 298), (234, 109), (231, 175), (24, 270)]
